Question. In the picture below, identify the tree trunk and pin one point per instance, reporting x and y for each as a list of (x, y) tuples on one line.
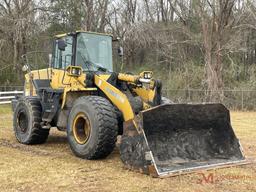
[(89, 15), (214, 79), (213, 61)]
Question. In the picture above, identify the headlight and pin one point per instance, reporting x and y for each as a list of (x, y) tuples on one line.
[(147, 75), (76, 71)]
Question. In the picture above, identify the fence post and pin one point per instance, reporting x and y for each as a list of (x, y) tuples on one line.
[(189, 95), (242, 100)]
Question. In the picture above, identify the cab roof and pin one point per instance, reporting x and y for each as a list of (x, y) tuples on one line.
[(81, 31)]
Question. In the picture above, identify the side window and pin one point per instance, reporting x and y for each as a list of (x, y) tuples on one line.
[(55, 55), (81, 54), (67, 54), (62, 59)]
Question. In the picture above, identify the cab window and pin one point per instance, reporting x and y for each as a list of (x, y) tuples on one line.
[(62, 59)]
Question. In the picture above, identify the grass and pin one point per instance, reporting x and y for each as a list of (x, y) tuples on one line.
[(52, 166)]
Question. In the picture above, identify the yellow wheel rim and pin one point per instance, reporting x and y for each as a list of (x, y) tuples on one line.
[(81, 128)]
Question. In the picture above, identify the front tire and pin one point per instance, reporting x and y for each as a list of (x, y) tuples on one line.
[(92, 127), (26, 122)]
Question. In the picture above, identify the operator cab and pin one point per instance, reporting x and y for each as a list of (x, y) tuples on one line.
[(91, 51)]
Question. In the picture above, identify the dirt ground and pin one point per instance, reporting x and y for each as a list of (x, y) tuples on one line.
[(52, 166)]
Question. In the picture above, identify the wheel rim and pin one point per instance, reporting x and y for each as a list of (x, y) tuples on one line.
[(22, 121), (81, 128)]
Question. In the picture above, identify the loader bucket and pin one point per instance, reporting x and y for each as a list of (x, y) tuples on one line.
[(179, 138)]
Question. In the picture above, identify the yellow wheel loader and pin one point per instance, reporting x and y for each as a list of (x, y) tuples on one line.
[(79, 93)]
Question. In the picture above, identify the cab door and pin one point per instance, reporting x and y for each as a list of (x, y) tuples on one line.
[(60, 60)]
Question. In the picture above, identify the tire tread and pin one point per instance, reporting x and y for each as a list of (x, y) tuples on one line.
[(37, 135), (108, 128)]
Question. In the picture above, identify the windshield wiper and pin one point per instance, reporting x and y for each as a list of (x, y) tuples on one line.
[(99, 67), (88, 62)]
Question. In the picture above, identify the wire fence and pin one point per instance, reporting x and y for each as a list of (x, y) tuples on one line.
[(233, 99), (6, 97), (11, 88)]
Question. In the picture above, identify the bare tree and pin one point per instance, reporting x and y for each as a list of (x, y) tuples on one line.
[(95, 15), (216, 22), (17, 17)]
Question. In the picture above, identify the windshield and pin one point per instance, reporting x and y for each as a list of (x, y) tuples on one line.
[(94, 52)]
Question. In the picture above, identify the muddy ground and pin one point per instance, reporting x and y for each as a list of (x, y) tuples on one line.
[(52, 166)]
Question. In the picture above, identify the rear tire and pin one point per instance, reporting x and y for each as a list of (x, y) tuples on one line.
[(26, 122), (92, 127)]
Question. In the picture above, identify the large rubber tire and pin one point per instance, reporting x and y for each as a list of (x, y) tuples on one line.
[(103, 127), (26, 121)]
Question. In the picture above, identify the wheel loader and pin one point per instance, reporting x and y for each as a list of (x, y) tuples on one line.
[(81, 94)]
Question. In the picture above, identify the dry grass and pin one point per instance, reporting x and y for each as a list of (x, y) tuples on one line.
[(52, 166)]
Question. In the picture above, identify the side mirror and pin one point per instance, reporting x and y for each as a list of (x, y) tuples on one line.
[(62, 44), (120, 51)]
